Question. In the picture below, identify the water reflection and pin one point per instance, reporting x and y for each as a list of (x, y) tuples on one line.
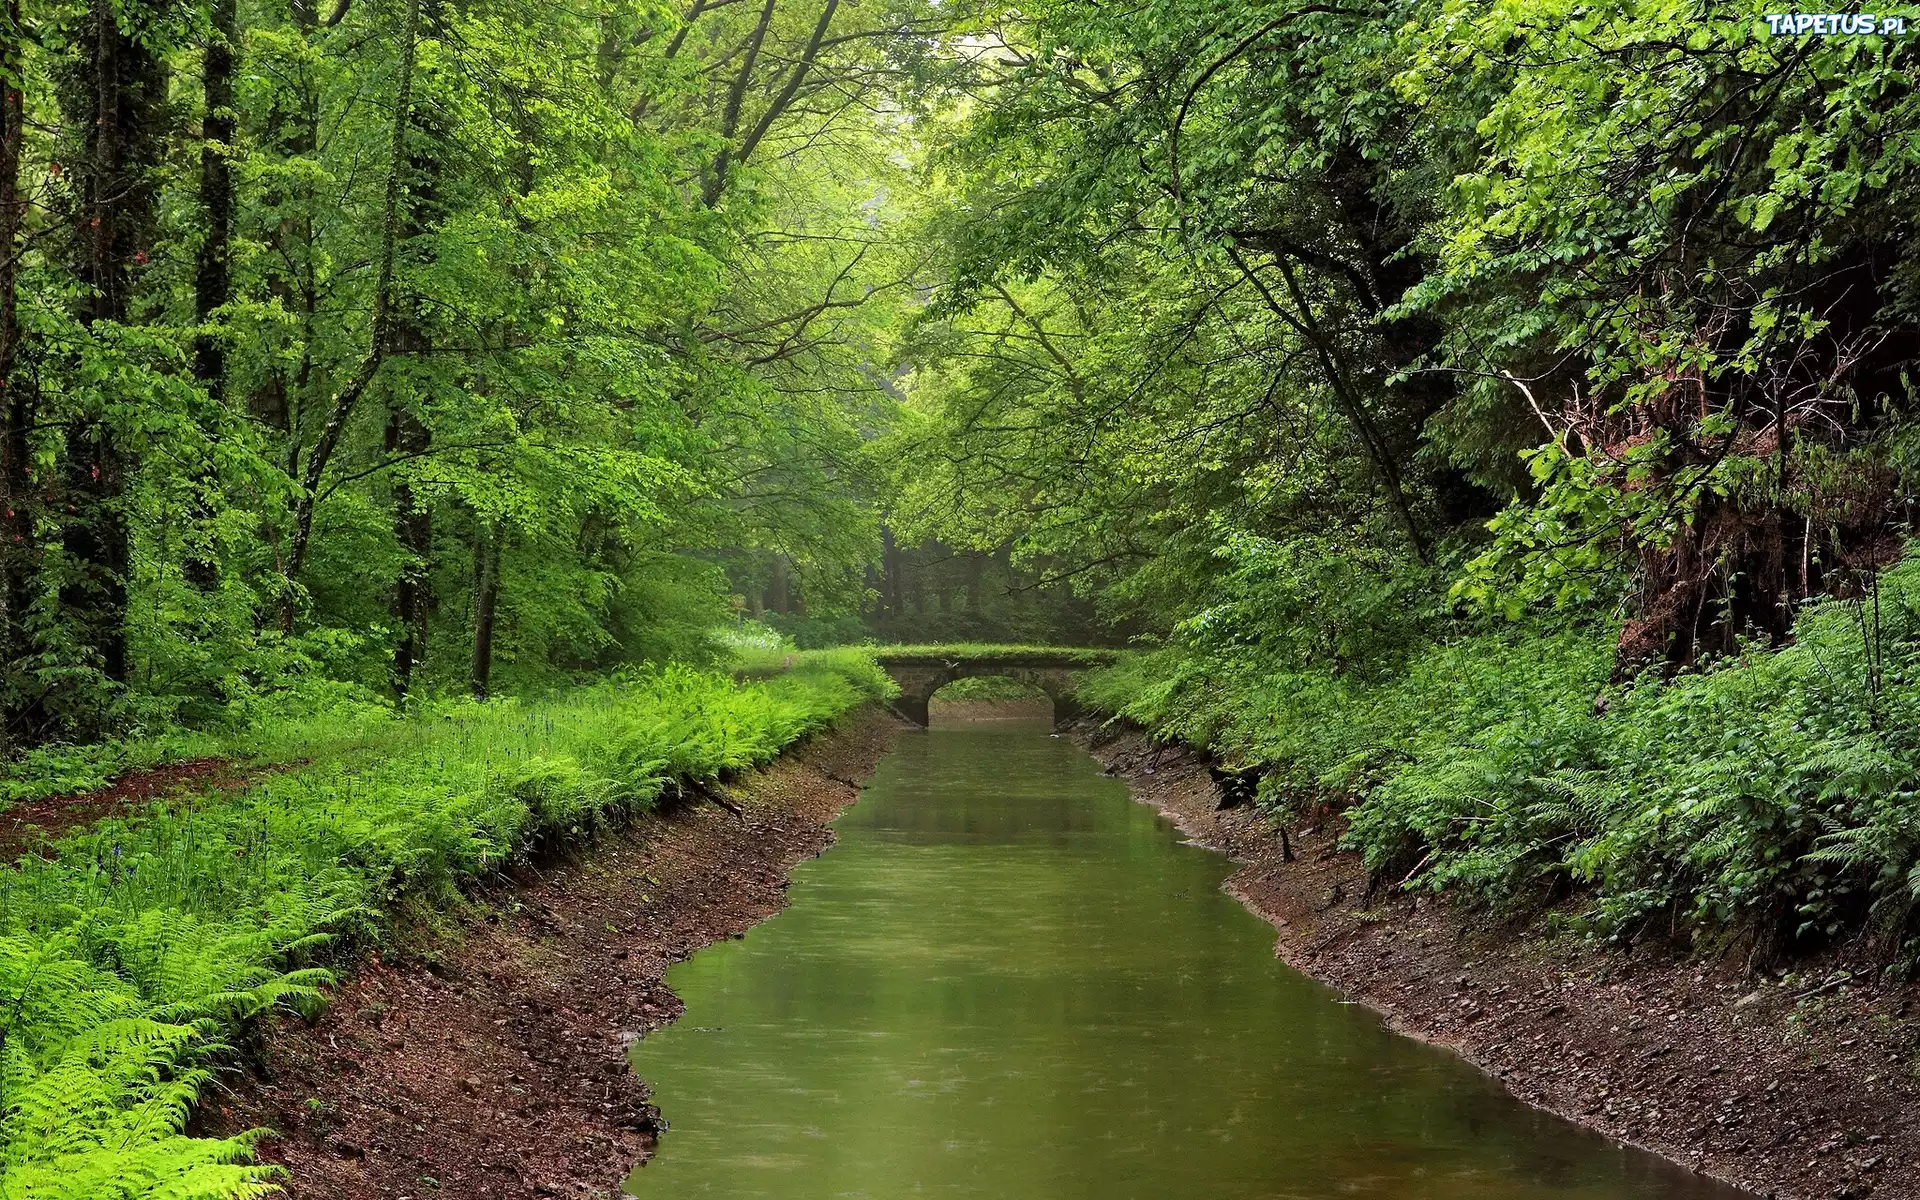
[(1009, 980)]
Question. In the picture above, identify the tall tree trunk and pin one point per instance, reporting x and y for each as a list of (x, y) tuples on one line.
[(407, 434), (777, 589), (413, 528), (18, 556), (115, 230), (486, 596), (213, 277), (890, 593), (292, 132), (347, 399), (212, 283)]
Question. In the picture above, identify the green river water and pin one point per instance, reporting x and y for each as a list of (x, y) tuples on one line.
[(1009, 980)]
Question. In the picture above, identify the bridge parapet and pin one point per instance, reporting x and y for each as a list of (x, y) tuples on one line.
[(923, 670)]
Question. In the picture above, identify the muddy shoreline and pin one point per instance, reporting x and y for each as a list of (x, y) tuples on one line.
[(1799, 1087), (490, 1060)]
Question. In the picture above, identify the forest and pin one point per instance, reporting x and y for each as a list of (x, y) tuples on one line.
[(1491, 421)]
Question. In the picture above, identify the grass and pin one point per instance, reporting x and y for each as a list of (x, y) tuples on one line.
[(989, 687), (756, 661), (316, 719), (140, 949), (763, 662), (1011, 655)]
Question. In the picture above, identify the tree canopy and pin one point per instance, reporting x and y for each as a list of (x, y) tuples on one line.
[(397, 340), (433, 347)]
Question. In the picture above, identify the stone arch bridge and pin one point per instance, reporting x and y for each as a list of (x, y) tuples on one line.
[(923, 670)]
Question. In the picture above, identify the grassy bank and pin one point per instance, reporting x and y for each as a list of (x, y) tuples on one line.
[(1768, 800), (142, 948), (990, 688), (1005, 653)]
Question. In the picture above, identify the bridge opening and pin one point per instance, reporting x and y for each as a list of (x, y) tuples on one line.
[(920, 671), (989, 697)]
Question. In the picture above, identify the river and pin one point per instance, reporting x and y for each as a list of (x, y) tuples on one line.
[(1009, 980)]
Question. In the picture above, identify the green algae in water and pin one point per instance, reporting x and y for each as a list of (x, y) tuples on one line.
[(1009, 980)]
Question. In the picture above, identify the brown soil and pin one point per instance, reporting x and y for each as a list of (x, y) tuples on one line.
[(1800, 1086), (495, 1064), (32, 823)]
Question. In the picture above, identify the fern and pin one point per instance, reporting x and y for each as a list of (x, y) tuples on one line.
[(1780, 789), (132, 956)]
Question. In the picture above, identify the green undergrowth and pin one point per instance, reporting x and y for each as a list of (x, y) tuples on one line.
[(142, 947), (60, 770), (764, 662), (989, 687), (759, 661), (1083, 656), (1770, 800), (315, 718)]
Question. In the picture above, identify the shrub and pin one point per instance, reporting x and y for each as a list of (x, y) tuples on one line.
[(1769, 797)]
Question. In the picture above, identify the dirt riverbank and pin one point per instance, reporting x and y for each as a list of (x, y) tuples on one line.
[(1798, 1086), (493, 1063)]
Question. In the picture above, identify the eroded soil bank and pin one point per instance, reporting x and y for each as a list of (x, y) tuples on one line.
[(495, 1063), (1794, 1087)]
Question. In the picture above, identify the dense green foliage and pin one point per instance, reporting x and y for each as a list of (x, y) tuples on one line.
[(436, 347), (1323, 276), (1494, 420), (1768, 795), (358, 358), (141, 946)]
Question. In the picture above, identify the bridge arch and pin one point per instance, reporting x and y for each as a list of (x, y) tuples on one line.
[(921, 673)]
